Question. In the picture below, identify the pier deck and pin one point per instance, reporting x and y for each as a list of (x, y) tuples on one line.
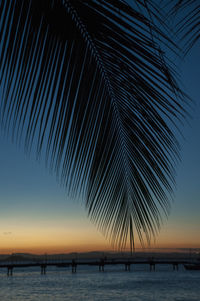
[(101, 264)]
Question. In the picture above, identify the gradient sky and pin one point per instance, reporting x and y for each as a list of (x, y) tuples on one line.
[(36, 214)]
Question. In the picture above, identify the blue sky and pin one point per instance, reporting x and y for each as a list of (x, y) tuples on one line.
[(33, 203), (185, 212)]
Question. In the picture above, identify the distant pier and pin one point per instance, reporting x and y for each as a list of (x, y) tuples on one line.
[(100, 264)]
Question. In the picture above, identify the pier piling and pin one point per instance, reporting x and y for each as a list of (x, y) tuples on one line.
[(127, 267), (101, 265), (152, 266), (10, 271), (74, 265), (175, 266), (43, 269)]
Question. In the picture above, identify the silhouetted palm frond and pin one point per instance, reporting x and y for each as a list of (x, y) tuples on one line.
[(187, 13), (87, 83)]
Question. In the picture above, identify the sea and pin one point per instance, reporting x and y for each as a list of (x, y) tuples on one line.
[(114, 284)]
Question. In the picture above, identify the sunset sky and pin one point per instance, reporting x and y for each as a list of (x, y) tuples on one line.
[(36, 215)]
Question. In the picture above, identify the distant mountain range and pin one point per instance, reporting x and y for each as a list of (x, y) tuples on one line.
[(97, 255)]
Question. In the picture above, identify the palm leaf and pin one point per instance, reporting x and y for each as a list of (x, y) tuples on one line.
[(86, 84), (187, 21)]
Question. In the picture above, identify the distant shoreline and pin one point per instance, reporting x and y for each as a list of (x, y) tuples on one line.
[(181, 254)]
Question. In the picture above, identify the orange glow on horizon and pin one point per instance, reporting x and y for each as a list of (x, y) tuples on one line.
[(24, 236), (90, 247)]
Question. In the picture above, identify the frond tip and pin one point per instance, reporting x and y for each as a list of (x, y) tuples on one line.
[(85, 83)]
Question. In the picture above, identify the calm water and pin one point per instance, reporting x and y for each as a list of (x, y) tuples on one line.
[(89, 284)]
